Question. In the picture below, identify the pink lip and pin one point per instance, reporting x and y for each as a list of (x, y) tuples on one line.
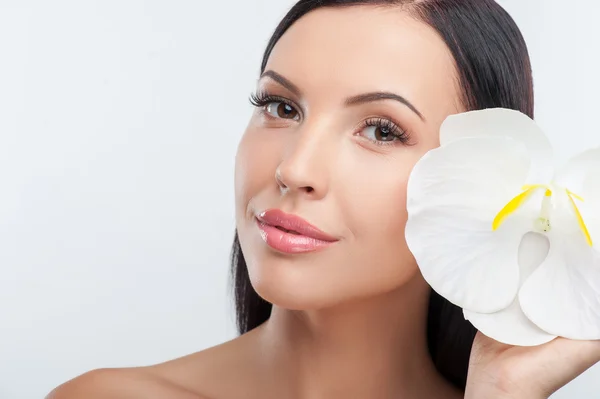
[(302, 236)]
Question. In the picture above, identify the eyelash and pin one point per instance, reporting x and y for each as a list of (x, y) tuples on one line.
[(262, 99), (400, 134)]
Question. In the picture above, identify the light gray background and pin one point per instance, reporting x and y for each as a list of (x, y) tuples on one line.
[(119, 122)]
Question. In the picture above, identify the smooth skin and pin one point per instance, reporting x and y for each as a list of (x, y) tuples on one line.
[(348, 321)]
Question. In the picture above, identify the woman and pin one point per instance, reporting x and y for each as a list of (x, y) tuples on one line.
[(351, 95)]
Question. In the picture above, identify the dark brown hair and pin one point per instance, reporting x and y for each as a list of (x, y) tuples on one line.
[(493, 68)]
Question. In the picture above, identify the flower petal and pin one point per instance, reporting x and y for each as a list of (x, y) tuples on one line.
[(511, 326), (453, 195), (504, 122), (562, 296), (581, 176), (580, 169)]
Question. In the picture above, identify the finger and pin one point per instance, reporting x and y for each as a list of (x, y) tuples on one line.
[(564, 359), (488, 347), (583, 354)]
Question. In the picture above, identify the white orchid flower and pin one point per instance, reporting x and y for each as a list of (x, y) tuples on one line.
[(501, 234)]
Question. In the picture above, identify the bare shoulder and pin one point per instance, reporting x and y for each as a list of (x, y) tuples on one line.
[(213, 373), (121, 383), (227, 370)]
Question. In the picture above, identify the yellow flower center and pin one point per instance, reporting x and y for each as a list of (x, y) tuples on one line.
[(542, 223)]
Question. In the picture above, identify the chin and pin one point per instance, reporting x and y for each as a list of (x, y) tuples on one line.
[(292, 289), (295, 282)]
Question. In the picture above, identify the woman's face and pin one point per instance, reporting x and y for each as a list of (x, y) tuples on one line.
[(326, 149)]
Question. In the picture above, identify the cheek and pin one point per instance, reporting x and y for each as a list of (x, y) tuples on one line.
[(376, 214), (242, 179), (376, 198), (255, 164)]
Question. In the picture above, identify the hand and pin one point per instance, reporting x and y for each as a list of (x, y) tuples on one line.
[(499, 371)]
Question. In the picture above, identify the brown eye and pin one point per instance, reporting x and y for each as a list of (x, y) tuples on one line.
[(380, 133), (282, 110)]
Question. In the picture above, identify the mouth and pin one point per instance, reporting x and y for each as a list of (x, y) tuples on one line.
[(291, 234), (287, 231)]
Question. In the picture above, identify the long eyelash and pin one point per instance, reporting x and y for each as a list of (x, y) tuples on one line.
[(261, 99), (401, 134)]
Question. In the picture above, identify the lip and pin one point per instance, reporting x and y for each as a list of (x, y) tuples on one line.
[(290, 233)]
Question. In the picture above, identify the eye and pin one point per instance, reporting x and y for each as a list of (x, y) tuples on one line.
[(379, 133), (278, 109), (383, 132)]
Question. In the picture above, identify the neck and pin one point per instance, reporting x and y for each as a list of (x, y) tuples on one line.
[(375, 348)]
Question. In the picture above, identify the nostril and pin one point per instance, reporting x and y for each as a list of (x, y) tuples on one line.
[(280, 183), (309, 189)]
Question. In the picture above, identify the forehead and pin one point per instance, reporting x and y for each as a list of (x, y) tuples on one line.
[(340, 52)]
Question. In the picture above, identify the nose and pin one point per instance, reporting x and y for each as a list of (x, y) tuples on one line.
[(305, 167)]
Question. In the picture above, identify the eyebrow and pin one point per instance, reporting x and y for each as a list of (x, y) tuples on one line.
[(354, 100), (379, 96), (282, 81)]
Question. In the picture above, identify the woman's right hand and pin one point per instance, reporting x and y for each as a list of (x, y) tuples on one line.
[(500, 371)]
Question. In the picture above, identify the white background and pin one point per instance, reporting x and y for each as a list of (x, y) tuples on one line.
[(119, 122)]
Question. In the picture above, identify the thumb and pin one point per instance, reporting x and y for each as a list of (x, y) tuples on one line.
[(560, 361)]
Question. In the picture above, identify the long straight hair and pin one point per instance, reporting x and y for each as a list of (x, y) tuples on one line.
[(494, 70)]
